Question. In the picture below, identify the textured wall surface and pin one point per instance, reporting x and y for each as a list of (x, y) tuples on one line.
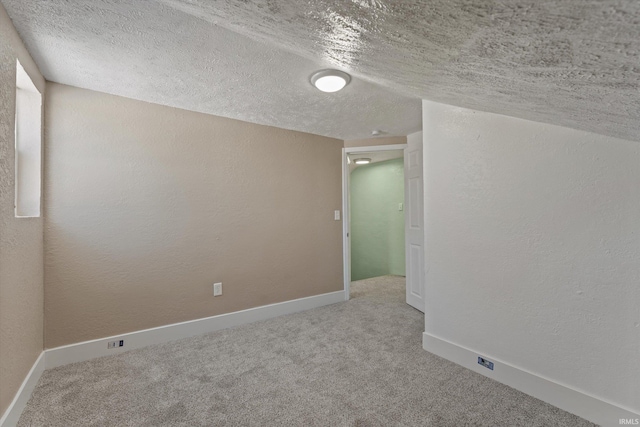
[(377, 226), (572, 63), (533, 249), (21, 265), (147, 206), (152, 52)]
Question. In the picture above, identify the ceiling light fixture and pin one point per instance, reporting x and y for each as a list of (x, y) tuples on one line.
[(362, 161), (330, 80)]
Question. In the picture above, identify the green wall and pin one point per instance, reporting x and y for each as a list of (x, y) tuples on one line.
[(377, 226)]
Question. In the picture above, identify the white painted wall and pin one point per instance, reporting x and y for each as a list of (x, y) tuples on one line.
[(533, 248)]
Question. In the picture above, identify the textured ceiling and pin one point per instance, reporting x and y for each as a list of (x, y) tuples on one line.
[(149, 51), (567, 62)]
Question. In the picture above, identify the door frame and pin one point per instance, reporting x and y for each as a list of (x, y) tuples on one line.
[(346, 220)]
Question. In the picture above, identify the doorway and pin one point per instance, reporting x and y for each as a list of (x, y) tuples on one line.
[(376, 214), (391, 237)]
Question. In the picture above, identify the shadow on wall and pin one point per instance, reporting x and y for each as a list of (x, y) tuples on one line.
[(377, 220)]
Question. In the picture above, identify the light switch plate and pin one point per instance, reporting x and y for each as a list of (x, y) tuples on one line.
[(217, 289), (336, 215)]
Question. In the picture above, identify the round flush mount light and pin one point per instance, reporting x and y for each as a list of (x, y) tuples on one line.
[(362, 161), (330, 80)]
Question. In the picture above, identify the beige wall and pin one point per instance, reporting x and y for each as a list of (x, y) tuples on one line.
[(20, 239), (147, 206), (385, 140)]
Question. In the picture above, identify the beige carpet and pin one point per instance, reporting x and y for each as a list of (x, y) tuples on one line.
[(358, 363)]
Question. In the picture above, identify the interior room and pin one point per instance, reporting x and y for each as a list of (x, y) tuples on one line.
[(377, 214), (376, 223), (186, 239)]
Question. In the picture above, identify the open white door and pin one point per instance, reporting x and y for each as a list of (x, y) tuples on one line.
[(414, 221)]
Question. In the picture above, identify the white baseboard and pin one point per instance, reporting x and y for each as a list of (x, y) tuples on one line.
[(13, 412), (576, 402), (96, 348)]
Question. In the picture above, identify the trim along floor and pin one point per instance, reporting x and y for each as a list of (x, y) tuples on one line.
[(358, 362)]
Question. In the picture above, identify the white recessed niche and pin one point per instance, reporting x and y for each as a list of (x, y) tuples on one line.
[(28, 146)]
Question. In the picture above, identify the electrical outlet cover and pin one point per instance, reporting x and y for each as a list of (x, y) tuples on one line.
[(486, 363)]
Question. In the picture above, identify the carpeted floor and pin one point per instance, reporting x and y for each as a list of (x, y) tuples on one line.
[(357, 363)]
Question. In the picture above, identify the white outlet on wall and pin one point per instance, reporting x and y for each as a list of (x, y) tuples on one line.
[(217, 289)]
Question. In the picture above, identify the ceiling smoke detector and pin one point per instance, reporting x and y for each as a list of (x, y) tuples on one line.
[(377, 132), (330, 80)]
